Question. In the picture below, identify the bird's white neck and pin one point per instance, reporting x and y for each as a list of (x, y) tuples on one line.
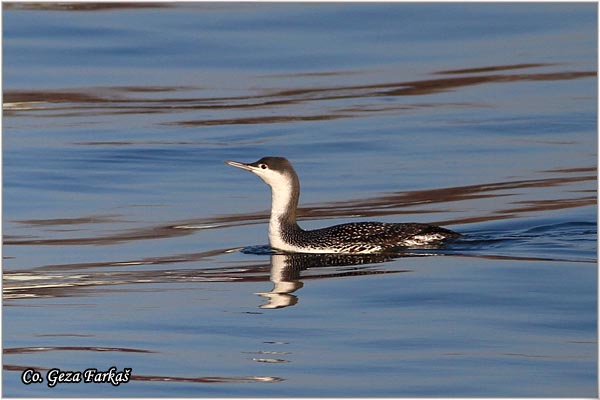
[(284, 202)]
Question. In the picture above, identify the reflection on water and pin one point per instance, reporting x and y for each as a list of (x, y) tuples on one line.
[(22, 350), (90, 6), (398, 203), (286, 269), (286, 280), (143, 100)]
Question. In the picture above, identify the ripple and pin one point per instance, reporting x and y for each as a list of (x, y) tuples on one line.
[(24, 350), (118, 100), (397, 203)]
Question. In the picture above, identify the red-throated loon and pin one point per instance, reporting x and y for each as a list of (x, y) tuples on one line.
[(356, 237)]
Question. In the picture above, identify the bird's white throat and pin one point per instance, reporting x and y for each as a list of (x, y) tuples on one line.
[(284, 201)]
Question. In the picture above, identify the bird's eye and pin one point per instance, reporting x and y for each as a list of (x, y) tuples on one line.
[(263, 166)]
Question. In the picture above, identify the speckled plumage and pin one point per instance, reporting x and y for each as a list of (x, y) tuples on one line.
[(366, 237), (352, 238)]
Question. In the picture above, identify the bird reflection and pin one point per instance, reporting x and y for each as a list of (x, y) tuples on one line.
[(285, 276), (286, 268)]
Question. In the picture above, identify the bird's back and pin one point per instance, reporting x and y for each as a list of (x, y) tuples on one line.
[(369, 237)]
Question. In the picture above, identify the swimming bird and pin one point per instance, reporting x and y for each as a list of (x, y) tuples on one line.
[(355, 237)]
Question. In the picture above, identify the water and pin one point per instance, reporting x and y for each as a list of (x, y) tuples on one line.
[(129, 243)]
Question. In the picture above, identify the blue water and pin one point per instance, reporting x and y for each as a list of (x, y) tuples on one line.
[(129, 243)]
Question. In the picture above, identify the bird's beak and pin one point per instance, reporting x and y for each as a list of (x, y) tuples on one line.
[(239, 165)]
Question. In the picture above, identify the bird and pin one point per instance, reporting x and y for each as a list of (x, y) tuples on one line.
[(351, 238)]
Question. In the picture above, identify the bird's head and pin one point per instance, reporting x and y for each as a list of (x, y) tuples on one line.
[(277, 172)]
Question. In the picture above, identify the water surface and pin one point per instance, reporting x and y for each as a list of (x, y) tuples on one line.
[(129, 243)]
